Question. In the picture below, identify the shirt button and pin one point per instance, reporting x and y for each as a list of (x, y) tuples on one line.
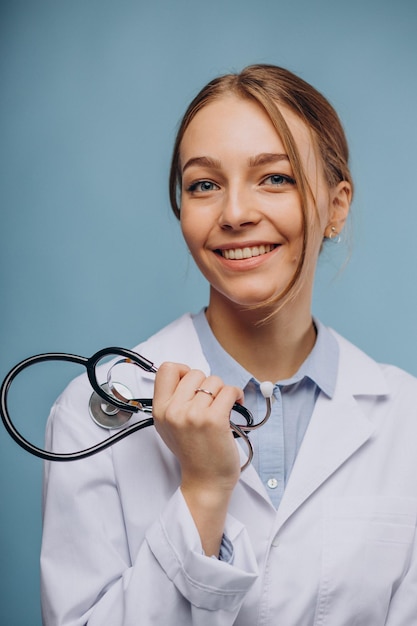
[(272, 483)]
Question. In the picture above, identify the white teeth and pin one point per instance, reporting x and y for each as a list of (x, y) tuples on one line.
[(246, 253)]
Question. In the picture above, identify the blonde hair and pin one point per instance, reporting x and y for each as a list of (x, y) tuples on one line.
[(269, 86)]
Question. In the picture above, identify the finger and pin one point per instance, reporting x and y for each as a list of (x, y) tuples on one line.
[(223, 402), (212, 392), (214, 409), (176, 386), (208, 389), (232, 394), (167, 379)]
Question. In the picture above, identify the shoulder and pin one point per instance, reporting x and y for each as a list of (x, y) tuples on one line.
[(178, 341), (69, 425), (368, 377)]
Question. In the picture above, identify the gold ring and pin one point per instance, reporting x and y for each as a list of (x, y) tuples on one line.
[(204, 391)]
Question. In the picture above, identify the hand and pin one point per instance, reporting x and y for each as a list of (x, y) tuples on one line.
[(195, 426)]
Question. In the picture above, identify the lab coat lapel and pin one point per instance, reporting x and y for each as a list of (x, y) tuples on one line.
[(338, 427), (337, 430)]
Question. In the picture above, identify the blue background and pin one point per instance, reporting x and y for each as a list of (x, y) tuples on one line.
[(91, 94)]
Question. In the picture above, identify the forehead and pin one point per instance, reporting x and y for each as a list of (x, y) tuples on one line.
[(231, 124)]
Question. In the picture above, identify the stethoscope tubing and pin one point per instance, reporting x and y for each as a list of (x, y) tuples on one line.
[(90, 364), (61, 456)]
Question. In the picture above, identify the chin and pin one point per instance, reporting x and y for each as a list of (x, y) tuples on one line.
[(251, 300)]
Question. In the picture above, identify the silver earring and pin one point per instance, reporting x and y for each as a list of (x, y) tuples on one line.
[(334, 236)]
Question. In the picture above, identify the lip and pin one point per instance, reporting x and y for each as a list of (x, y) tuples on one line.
[(244, 244)]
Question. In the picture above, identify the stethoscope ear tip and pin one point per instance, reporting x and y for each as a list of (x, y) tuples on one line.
[(267, 389)]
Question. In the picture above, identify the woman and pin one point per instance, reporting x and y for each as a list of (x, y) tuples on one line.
[(163, 528)]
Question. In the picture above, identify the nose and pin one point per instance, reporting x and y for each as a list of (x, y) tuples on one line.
[(238, 210)]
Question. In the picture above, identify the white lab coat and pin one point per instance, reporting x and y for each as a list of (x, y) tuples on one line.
[(120, 547)]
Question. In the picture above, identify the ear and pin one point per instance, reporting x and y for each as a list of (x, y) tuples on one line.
[(339, 205)]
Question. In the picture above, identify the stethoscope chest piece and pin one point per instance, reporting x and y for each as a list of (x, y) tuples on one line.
[(105, 414)]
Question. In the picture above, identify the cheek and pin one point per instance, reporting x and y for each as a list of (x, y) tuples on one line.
[(290, 223), (318, 219), (322, 203), (191, 229)]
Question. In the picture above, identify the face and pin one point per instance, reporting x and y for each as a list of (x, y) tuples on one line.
[(240, 208)]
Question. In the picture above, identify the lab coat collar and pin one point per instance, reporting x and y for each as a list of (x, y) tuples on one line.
[(176, 342), (358, 373), (179, 342)]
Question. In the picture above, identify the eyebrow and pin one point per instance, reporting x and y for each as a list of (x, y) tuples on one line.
[(202, 162), (264, 158), (267, 157)]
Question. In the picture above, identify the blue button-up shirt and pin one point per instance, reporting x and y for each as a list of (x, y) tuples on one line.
[(277, 443)]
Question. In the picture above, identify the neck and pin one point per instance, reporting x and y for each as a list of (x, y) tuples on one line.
[(272, 350)]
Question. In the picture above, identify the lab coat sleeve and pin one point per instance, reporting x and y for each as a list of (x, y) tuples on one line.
[(403, 606), (88, 572)]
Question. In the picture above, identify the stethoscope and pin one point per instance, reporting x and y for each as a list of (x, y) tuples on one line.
[(111, 405)]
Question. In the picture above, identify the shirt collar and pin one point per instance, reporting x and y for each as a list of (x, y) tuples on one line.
[(320, 366)]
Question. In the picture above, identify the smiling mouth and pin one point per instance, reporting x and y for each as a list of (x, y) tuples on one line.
[(235, 254)]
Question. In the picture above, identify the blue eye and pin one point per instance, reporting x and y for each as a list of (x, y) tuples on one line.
[(202, 186), (279, 180)]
